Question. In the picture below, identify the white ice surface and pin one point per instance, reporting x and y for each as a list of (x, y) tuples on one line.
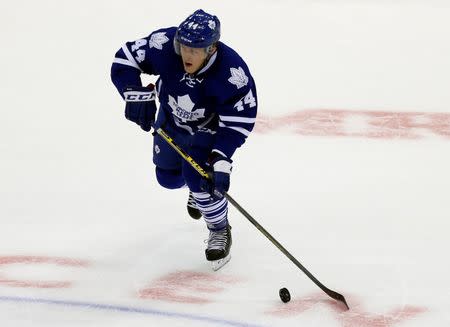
[(368, 217)]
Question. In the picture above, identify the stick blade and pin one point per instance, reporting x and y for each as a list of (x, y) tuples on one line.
[(338, 297)]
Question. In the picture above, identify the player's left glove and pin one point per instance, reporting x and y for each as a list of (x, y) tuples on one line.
[(220, 169), (140, 105)]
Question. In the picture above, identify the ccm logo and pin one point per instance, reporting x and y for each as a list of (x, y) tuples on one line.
[(138, 97)]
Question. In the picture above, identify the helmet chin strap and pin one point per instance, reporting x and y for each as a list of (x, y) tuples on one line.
[(210, 50)]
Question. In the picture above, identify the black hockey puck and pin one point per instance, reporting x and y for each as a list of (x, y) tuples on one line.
[(285, 296)]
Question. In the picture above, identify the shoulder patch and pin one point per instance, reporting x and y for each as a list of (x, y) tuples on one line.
[(157, 40), (238, 77)]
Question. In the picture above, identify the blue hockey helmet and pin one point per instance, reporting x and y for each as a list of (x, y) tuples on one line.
[(199, 30)]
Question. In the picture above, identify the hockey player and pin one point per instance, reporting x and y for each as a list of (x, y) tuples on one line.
[(207, 104)]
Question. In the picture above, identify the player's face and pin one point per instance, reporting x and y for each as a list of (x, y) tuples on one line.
[(193, 58)]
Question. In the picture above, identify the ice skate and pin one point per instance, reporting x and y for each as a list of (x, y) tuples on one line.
[(218, 250), (192, 208)]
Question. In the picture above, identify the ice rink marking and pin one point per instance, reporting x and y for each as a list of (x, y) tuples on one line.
[(359, 123), (125, 309)]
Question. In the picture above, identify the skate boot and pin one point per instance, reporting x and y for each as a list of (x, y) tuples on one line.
[(218, 250), (192, 208)]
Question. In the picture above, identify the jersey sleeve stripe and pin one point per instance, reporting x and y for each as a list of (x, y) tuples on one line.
[(124, 62), (238, 119), (237, 129), (219, 152), (130, 57)]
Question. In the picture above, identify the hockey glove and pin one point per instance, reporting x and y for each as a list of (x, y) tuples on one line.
[(140, 105), (219, 168)]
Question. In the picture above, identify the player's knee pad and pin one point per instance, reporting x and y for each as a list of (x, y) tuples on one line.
[(171, 179)]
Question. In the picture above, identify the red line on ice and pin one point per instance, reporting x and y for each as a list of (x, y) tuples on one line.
[(366, 124), (355, 317), (30, 260), (186, 287)]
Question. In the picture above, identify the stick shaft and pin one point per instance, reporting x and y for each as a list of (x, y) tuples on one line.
[(203, 173)]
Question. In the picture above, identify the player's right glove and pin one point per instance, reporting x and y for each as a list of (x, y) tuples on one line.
[(219, 168), (140, 105)]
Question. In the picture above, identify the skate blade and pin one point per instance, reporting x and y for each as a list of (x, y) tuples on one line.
[(217, 264)]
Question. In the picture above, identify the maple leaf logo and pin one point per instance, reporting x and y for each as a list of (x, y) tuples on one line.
[(212, 24), (157, 40), (183, 109), (238, 77)]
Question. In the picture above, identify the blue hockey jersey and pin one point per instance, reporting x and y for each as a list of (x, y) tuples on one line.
[(219, 99)]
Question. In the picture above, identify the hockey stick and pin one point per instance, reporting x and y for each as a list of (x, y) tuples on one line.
[(202, 172)]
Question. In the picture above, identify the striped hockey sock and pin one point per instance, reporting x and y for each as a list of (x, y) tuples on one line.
[(215, 213)]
